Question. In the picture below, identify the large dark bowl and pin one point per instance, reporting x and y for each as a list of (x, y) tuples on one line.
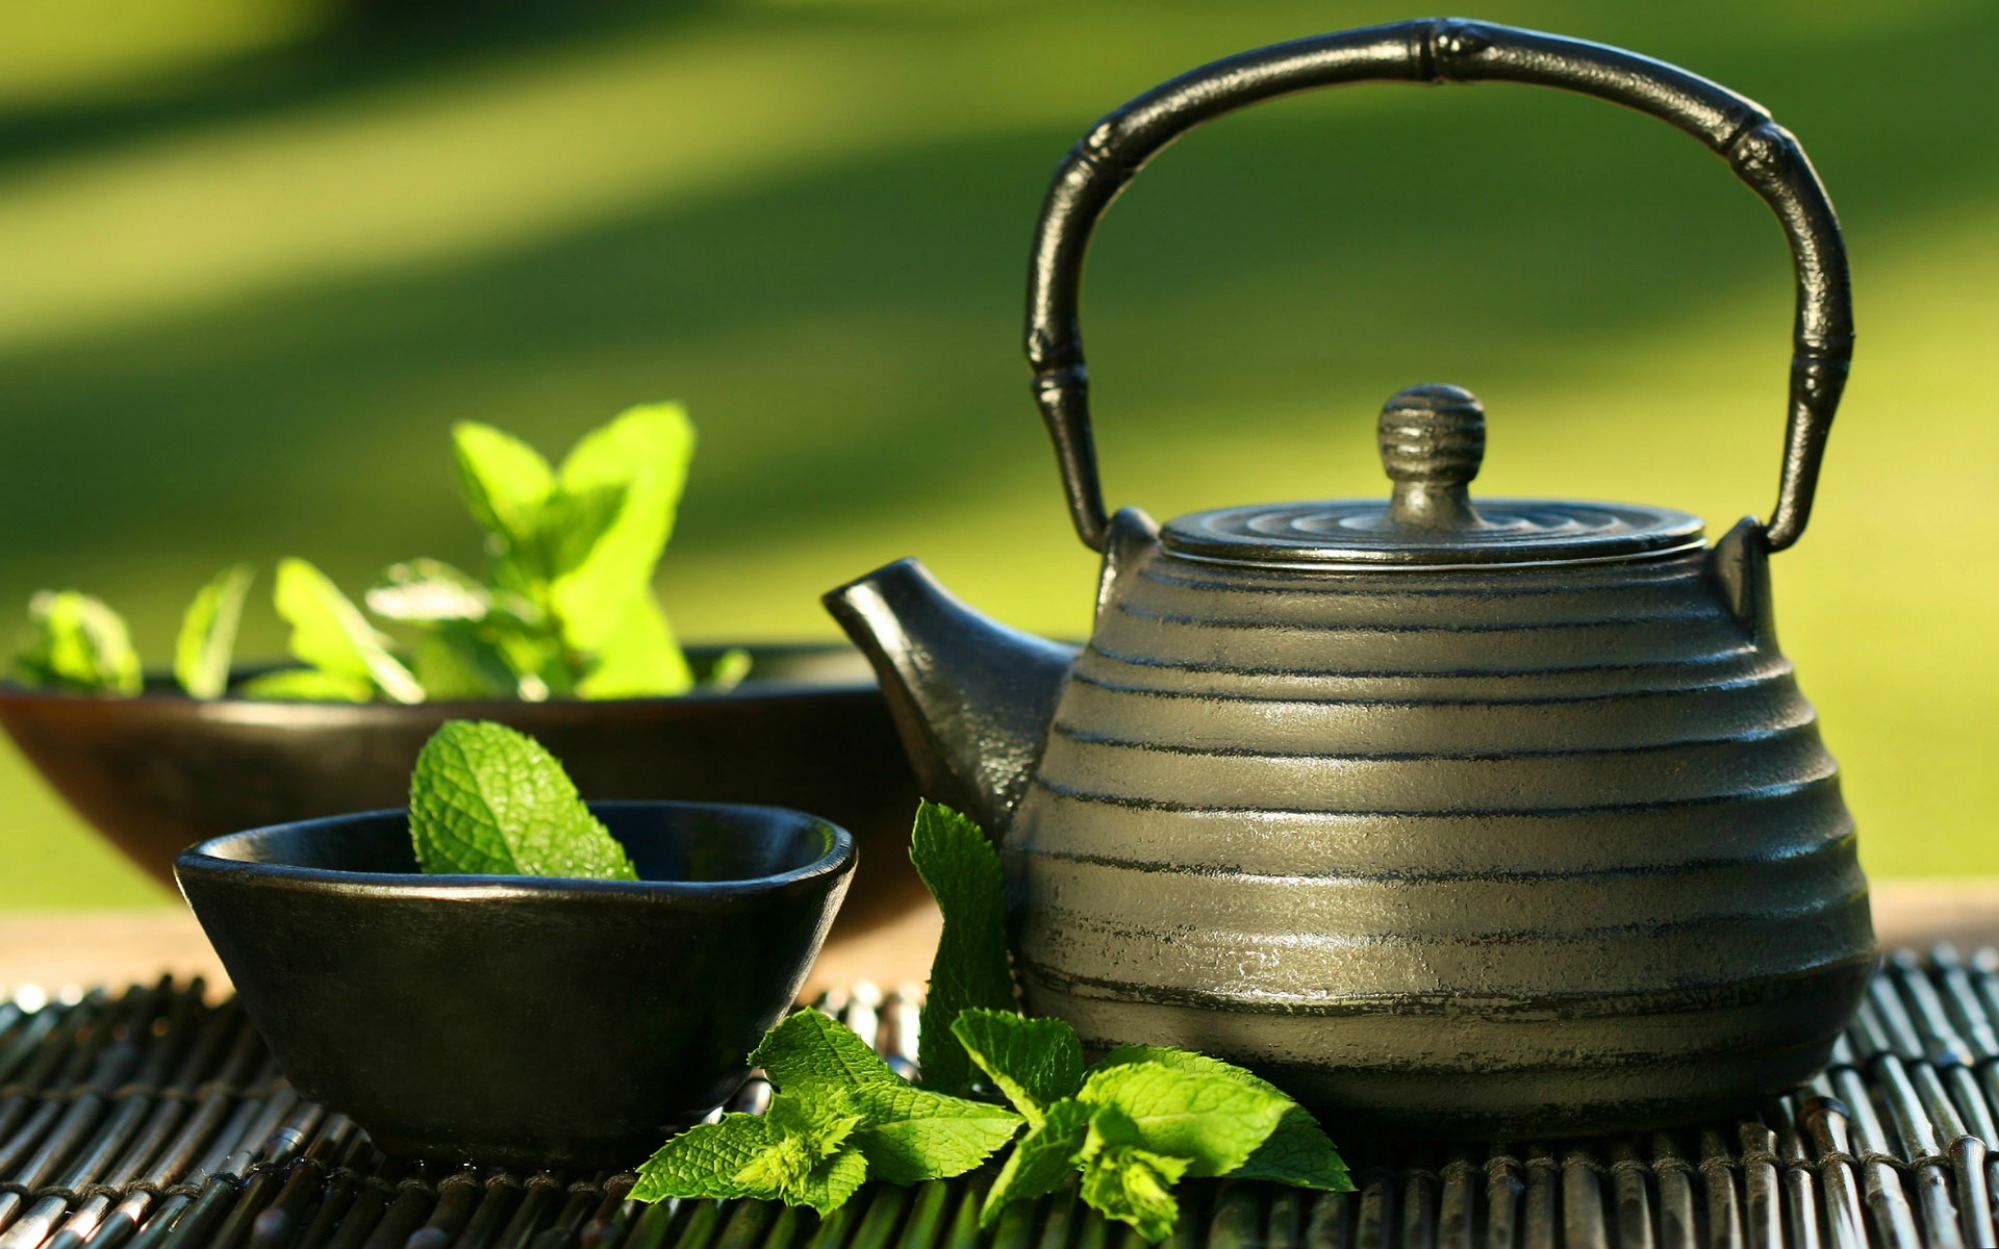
[(521, 1021), (809, 731)]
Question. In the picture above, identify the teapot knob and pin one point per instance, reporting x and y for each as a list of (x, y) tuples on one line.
[(1432, 440)]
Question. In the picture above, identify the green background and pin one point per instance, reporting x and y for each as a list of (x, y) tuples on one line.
[(256, 255)]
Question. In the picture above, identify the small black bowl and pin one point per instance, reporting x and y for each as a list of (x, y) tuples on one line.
[(514, 1020)]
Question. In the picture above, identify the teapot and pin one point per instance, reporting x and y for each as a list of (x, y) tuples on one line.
[(1486, 816)]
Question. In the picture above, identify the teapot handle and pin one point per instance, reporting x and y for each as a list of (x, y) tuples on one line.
[(1440, 50)]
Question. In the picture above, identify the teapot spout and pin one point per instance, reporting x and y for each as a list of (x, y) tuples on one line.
[(971, 698)]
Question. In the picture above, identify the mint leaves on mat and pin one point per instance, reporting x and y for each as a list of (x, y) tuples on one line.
[(1127, 1130), (487, 799), (1133, 1125), (839, 1116), (1138, 1121)]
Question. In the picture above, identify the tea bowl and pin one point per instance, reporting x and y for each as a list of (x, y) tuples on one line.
[(808, 730), (513, 1020)]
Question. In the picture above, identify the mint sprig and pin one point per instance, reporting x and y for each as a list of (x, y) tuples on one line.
[(576, 546), (839, 1116), (1128, 1129), (348, 659), (566, 610), (1297, 1151), (489, 800), (77, 643), (1137, 1122), (792, 1152), (1131, 1184), (1133, 1125)]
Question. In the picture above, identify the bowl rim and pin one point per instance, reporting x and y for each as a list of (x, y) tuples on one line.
[(159, 688), (199, 860)]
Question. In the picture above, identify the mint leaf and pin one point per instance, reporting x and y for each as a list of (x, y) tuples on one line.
[(803, 1134), (642, 454), (1135, 1185), (573, 523), (793, 1151), (506, 483), (970, 970), (455, 659), (1035, 1062), (1041, 1161), (420, 591), (486, 799), (912, 1135), (728, 670), (578, 547), (308, 685), (823, 1120), (78, 643), (839, 1115), (1211, 1120), (907, 1134), (810, 1053), (471, 643), (534, 655), (330, 633), (1298, 1152), (208, 633), (639, 659), (706, 1160), (828, 1185)]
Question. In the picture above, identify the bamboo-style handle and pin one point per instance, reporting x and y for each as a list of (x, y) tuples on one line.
[(1440, 50)]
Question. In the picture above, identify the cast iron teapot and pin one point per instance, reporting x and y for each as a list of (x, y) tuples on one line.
[(1486, 816)]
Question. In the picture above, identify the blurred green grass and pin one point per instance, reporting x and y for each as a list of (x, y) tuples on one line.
[(256, 256)]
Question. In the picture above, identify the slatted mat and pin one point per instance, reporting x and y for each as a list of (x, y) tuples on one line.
[(149, 1118)]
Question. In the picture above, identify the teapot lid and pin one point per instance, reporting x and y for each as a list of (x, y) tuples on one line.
[(1432, 440)]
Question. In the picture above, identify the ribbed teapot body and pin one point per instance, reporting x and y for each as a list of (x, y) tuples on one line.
[(1499, 850)]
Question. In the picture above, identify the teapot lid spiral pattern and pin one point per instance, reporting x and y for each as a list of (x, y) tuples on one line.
[(1432, 439)]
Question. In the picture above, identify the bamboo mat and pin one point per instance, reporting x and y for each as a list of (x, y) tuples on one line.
[(151, 1118)]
